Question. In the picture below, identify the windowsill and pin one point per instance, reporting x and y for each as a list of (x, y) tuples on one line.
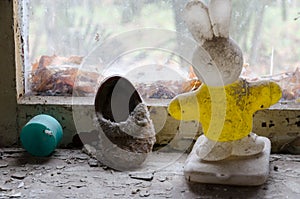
[(56, 100), (280, 122), (286, 106), (69, 101)]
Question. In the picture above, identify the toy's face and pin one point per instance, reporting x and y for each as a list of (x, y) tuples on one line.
[(224, 64)]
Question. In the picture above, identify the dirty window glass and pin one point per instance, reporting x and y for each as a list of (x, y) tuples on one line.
[(61, 33)]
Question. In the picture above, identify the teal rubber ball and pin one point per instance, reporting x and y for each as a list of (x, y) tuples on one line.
[(41, 135)]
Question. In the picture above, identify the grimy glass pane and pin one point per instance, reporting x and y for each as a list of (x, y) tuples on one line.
[(61, 33)]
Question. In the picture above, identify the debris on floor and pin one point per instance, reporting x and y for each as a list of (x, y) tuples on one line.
[(69, 174), (142, 176)]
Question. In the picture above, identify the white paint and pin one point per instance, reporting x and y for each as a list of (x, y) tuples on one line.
[(24, 29), (272, 62)]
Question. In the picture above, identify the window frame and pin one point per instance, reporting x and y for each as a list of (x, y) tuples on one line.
[(61, 107)]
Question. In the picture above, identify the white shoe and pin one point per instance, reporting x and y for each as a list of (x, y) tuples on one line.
[(210, 150), (250, 145)]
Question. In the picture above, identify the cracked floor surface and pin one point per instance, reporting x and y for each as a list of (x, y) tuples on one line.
[(73, 174)]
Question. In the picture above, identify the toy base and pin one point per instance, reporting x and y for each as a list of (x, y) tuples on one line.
[(245, 171)]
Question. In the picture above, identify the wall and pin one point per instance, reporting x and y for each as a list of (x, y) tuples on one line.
[(281, 126), (8, 103)]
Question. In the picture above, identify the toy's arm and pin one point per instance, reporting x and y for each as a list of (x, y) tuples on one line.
[(264, 94), (185, 107)]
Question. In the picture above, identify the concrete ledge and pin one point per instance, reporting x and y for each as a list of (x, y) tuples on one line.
[(281, 126), (67, 174), (246, 171)]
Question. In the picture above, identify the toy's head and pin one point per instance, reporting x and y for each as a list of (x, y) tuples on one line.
[(209, 26), (226, 62)]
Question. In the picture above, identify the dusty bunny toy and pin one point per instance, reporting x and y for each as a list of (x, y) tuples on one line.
[(228, 152)]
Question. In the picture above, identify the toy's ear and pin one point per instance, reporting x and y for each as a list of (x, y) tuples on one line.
[(196, 16), (220, 16)]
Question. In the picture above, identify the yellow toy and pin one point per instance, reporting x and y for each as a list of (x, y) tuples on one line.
[(234, 107), (228, 152)]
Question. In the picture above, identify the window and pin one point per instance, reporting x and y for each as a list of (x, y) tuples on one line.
[(59, 34), (56, 36), (62, 33)]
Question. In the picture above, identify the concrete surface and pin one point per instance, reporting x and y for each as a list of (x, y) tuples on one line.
[(73, 174)]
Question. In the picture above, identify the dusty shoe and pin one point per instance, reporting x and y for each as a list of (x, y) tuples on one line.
[(250, 145), (210, 150)]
